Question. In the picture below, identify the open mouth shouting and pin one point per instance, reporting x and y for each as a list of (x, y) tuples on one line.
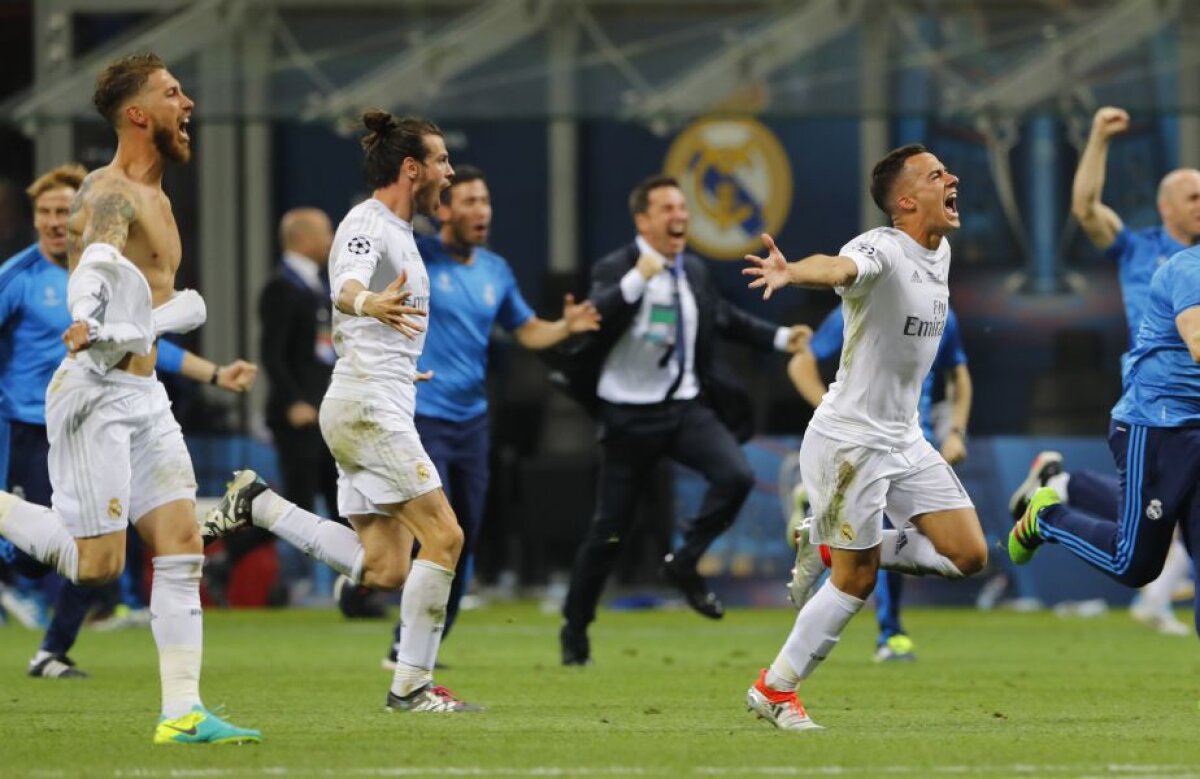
[(951, 205), (183, 130)]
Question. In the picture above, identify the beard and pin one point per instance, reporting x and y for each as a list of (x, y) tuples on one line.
[(428, 198), (463, 237), (170, 147)]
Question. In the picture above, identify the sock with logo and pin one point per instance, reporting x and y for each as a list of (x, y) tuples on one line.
[(177, 622), (322, 539), (815, 633), (40, 533), (909, 551), (422, 620)]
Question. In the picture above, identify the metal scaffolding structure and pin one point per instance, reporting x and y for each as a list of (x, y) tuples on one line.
[(658, 62)]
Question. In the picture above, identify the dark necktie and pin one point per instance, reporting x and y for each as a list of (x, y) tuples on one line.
[(680, 346)]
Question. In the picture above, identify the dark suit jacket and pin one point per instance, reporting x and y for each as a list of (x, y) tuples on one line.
[(288, 310), (578, 365)]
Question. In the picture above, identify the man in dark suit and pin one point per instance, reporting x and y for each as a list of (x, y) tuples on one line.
[(658, 393), (297, 353)]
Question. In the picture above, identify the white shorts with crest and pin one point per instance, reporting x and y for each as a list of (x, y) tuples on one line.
[(851, 486), (379, 455), (116, 451)]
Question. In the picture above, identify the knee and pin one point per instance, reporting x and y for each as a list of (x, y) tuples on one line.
[(738, 481), (858, 581), (99, 569), (1139, 578), (972, 559), (447, 537)]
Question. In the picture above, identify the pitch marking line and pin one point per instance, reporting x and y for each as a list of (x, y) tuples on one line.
[(1099, 771)]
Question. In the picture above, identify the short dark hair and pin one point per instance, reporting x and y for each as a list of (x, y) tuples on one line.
[(887, 170), (462, 174), (121, 80), (389, 142), (639, 198)]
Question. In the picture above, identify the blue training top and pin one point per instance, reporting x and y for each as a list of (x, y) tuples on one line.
[(827, 342), (465, 301), (33, 316), (1162, 381), (1139, 253)]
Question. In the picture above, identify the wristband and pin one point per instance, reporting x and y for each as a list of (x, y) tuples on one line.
[(359, 300), (215, 375)]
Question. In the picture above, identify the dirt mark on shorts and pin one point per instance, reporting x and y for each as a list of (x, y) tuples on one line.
[(350, 431), (834, 514)]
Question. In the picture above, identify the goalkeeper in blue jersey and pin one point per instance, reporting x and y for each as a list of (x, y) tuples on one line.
[(949, 371), (33, 316)]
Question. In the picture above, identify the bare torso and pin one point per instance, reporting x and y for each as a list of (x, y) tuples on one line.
[(136, 218)]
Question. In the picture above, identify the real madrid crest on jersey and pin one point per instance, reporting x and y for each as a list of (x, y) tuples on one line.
[(738, 181)]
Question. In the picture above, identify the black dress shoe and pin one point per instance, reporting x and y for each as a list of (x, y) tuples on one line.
[(576, 649), (693, 586)]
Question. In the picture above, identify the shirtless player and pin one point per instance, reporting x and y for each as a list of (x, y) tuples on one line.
[(116, 452)]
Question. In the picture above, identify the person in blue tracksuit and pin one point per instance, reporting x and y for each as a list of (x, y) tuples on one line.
[(1137, 253), (1154, 436), (949, 368), (33, 317)]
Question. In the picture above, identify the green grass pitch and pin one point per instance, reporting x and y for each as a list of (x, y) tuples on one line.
[(993, 694)]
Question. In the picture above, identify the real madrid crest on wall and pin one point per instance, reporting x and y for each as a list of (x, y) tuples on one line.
[(737, 180)]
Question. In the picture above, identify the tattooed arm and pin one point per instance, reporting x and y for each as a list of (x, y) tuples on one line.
[(103, 212), (106, 209)]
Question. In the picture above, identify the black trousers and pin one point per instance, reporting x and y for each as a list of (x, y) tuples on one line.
[(632, 440)]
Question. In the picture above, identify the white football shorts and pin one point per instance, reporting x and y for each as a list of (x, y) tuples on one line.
[(116, 451), (379, 455), (850, 486)]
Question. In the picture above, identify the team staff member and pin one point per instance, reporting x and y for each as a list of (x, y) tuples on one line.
[(471, 289), (655, 383)]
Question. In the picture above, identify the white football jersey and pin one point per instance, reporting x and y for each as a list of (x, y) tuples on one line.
[(373, 245), (895, 313)]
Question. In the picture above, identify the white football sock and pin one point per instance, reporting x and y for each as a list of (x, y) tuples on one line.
[(1060, 483), (267, 507), (40, 533), (422, 621), (1156, 596), (814, 635), (909, 551), (323, 539), (178, 626)]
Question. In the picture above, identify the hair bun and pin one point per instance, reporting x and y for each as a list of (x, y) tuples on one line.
[(378, 121)]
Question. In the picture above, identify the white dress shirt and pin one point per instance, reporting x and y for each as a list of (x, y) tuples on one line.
[(308, 271), (634, 371)]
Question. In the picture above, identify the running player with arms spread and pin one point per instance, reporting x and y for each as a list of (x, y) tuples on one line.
[(864, 452)]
